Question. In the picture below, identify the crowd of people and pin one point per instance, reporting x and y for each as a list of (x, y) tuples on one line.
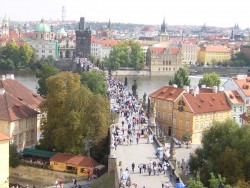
[(129, 132)]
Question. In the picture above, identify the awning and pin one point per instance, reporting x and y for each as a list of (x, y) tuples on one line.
[(38, 153)]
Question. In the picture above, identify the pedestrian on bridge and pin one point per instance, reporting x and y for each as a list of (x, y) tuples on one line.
[(133, 167)]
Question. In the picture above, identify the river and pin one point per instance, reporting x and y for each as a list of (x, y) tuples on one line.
[(147, 84)]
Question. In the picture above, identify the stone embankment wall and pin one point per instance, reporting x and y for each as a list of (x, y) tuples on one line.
[(222, 71), (39, 176)]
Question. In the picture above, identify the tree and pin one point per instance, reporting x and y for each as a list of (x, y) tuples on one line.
[(125, 54), (226, 151), (53, 133), (95, 80), (187, 137), (43, 72), (75, 113), (181, 78), (210, 80), (195, 182), (25, 54), (11, 51), (15, 158)]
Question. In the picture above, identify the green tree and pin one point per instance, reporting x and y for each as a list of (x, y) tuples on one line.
[(225, 150), (7, 64), (95, 81), (15, 158), (210, 80), (187, 137), (25, 54), (125, 54), (43, 71), (11, 51), (53, 133), (195, 182), (75, 113), (180, 78), (239, 60)]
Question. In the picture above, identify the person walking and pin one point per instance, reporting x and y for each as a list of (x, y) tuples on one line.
[(133, 167)]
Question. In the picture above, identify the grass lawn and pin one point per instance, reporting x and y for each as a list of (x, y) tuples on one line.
[(104, 181)]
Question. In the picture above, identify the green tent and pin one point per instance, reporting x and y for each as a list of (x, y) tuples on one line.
[(38, 153)]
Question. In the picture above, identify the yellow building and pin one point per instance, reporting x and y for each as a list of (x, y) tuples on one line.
[(4, 158), (164, 99), (19, 112), (213, 54), (197, 111), (82, 166)]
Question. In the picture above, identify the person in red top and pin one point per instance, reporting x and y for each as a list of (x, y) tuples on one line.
[(60, 183)]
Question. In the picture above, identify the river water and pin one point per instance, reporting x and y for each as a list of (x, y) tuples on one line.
[(147, 84)]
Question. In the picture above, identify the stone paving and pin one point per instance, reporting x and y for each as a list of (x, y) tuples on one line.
[(139, 153)]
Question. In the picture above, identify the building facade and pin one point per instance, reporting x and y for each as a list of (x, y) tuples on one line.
[(213, 54), (19, 114), (189, 53), (4, 158)]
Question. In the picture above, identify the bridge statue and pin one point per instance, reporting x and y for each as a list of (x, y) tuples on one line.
[(134, 88)]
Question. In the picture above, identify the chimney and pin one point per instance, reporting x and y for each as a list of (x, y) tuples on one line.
[(10, 76), (174, 85), (187, 89), (2, 91), (203, 86), (3, 77), (221, 88), (196, 90), (215, 89)]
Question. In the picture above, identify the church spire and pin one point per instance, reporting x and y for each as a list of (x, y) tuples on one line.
[(163, 26), (109, 24)]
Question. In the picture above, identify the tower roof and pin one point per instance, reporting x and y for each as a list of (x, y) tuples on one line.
[(42, 27)]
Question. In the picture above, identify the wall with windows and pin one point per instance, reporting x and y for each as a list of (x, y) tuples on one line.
[(182, 118), (164, 110)]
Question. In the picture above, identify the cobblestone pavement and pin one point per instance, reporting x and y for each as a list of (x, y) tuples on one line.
[(139, 153)]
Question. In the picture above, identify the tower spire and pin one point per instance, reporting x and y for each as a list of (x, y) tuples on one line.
[(109, 24), (163, 26)]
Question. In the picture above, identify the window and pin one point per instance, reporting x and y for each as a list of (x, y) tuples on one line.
[(159, 115), (159, 103), (55, 163), (165, 104), (169, 117), (20, 138), (174, 113), (247, 101), (202, 124), (174, 121), (50, 51), (20, 124), (196, 125), (240, 108), (170, 105), (187, 124), (43, 51), (210, 123), (15, 139), (164, 115), (234, 118), (174, 131), (234, 109), (27, 138), (187, 115), (32, 134)]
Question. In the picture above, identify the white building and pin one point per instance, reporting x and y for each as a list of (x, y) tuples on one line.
[(189, 53), (237, 105)]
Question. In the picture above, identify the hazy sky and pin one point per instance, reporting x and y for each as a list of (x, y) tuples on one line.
[(177, 12)]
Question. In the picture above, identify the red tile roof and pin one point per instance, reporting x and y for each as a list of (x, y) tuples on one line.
[(244, 85), (61, 157), (219, 49), (167, 93), (174, 51), (207, 102), (16, 89), (12, 108), (158, 50), (234, 97), (4, 137), (245, 117), (82, 161)]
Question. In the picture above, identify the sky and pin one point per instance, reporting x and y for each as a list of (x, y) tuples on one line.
[(221, 13)]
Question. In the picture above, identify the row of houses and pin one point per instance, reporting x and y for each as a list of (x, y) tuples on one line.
[(181, 110)]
